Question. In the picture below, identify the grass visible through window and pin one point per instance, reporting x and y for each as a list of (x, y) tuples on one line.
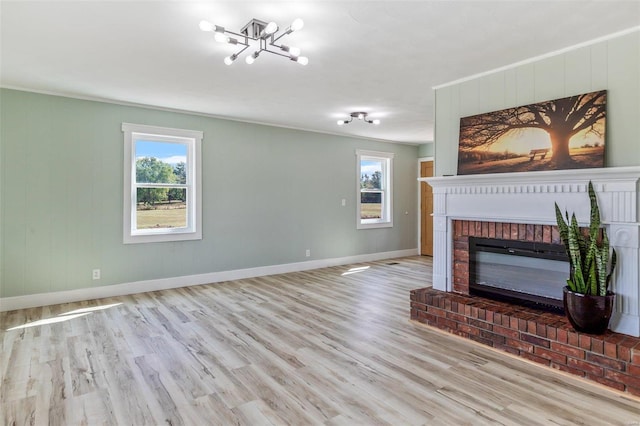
[(370, 210), (162, 215)]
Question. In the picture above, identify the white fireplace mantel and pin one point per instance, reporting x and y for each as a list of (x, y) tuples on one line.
[(529, 197)]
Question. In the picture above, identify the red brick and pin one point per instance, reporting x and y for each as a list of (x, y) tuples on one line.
[(482, 340), (572, 338), (513, 322), (606, 362), (482, 314), (624, 353), (436, 311), (506, 231), (538, 341), (498, 230), (633, 381), (568, 369), (507, 332), (489, 316), (522, 231), (485, 230), (456, 317), (537, 233), (495, 338), (457, 228), (585, 366), (584, 341), (571, 351), (597, 345), (552, 332), (461, 288), (443, 322), (561, 335), (610, 350), (634, 370), (610, 383), (535, 358), (522, 324), (519, 344), (514, 231), (633, 391), (541, 330), (480, 324), (492, 229), (508, 349), (529, 233), (550, 355), (546, 234)]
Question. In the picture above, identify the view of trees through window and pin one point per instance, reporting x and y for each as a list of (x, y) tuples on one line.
[(161, 178), (371, 189)]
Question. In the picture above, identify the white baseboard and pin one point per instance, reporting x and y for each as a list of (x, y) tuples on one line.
[(44, 299)]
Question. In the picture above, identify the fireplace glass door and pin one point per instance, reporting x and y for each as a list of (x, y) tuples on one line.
[(523, 272)]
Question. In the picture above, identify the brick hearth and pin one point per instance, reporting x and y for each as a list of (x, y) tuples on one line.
[(611, 359)]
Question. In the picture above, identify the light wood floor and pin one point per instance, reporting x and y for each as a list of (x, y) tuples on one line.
[(316, 347)]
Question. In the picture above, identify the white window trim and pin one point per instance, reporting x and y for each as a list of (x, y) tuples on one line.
[(193, 231), (387, 214)]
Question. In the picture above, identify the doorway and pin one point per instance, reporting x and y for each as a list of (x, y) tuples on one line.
[(426, 210)]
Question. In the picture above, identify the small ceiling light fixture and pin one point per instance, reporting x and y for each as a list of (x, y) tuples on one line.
[(360, 116), (262, 35)]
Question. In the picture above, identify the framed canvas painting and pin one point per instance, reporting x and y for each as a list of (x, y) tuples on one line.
[(567, 133)]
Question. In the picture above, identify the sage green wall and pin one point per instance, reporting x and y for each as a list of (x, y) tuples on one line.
[(613, 65), (425, 150), (268, 194)]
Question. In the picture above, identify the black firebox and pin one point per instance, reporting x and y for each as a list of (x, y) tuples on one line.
[(521, 272)]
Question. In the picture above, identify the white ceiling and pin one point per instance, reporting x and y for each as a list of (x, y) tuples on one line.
[(382, 57)]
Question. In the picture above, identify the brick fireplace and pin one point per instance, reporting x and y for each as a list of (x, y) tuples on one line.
[(519, 206)]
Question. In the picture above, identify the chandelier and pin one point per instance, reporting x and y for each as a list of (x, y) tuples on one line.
[(360, 116), (262, 36)]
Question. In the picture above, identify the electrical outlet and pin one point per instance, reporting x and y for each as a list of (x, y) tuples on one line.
[(96, 274), (308, 253)]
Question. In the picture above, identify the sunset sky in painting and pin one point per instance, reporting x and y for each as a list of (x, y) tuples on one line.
[(522, 141)]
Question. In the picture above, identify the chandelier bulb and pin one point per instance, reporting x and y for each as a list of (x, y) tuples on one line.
[(302, 60), (230, 59), (251, 59), (206, 26), (341, 122), (221, 38), (297, 24), (294, 51), (360, 116), (271, 28), (376, 121)]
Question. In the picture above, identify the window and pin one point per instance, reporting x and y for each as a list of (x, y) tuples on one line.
[(162, 191), (375, 172)]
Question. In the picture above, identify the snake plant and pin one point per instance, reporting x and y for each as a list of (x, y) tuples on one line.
[(588, 254)]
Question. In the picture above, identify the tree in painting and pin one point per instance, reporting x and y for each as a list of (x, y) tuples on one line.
[(561, 119)]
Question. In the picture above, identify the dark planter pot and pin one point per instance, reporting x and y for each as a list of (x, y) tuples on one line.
[(588, 313)]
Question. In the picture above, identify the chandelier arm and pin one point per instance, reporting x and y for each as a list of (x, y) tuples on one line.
[(276, 53), (244, 36), (273, 40), (246, 46)]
